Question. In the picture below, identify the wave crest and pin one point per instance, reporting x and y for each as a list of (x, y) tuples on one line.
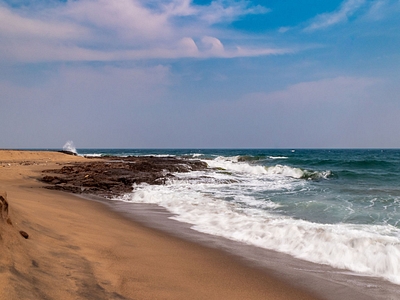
[(297, 172)]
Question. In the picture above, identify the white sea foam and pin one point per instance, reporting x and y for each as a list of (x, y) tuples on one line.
[(229, 200), (92, 155), (285, 171), (371, 250), (278, 157), (160, 155), (232, 164)]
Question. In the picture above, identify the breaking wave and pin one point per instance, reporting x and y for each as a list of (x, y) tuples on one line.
[(69, 146)]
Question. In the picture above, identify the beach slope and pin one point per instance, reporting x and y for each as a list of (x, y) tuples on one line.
[(73, 248)]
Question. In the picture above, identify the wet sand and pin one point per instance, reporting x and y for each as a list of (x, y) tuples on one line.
[(323, 281), (80, 249)]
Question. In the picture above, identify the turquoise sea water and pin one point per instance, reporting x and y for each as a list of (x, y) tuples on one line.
[(334, 207)]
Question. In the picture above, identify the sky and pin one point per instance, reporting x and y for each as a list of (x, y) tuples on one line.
[(200, 74)]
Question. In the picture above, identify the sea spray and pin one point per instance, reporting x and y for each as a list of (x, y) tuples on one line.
[(69, 146)]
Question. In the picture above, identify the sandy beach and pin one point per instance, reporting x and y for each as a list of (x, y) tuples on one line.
[(80, 249)]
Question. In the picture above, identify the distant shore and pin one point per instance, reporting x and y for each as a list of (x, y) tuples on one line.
[(79, 249)]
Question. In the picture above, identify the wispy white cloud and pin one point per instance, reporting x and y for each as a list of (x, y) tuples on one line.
[(310, 114), (16, 26), (227, 10), (123, 19), (179, 8), (126, 29), (377, 8), (335, 90), (381, 9), (347, 9)]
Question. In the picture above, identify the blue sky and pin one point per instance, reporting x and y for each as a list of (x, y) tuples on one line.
[(200, 74)]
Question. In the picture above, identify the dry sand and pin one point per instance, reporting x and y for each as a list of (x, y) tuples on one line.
[(80, 249)]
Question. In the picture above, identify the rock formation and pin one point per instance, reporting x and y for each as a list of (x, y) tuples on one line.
[(115, 176), (4, 208)]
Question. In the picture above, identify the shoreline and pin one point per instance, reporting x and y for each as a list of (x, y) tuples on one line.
[(93, 252), (322, 281), (70, 236)]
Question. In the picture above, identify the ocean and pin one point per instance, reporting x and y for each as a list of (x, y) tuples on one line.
[(331, 207)]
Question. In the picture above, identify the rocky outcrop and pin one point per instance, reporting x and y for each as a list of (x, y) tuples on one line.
[(115, 176), (4, 208), (68, 152), (5, 217)]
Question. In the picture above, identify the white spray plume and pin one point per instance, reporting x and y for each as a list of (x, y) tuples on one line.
[(69, 146)]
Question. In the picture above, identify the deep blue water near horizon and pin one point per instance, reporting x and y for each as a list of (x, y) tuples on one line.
[(338, 207)]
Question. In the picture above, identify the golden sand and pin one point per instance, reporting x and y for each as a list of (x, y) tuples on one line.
[(80, 249)]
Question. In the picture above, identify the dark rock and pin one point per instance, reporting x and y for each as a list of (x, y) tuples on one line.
[(114, 176), (24, 234), (4, 206), (68, 152), (53, 180)]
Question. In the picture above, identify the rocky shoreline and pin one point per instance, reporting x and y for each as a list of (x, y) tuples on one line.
[(114, 176)]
